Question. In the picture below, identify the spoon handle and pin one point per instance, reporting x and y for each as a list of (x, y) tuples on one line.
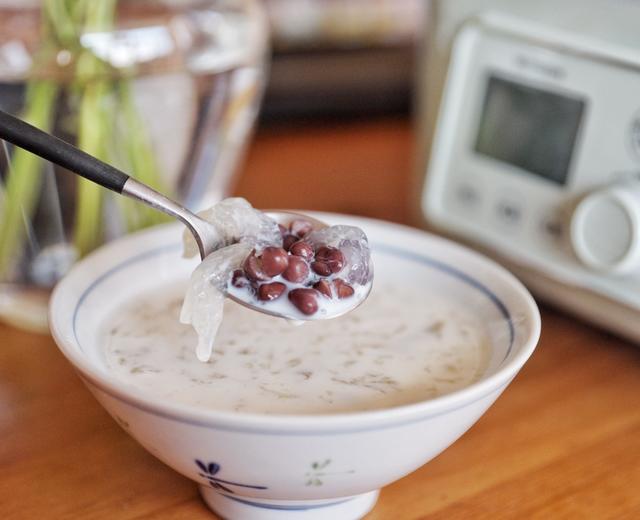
[(57, 151), (47, 146)]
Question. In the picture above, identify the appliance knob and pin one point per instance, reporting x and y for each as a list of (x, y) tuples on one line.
[(605, 229)]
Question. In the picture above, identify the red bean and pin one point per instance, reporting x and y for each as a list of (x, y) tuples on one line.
[(305, 300), (288, 241), (238, 279), (323, 287), (253, 268), (321, 268), (303, 249), (271, 291), (332, 256), (343, 289), (274, 260), (301, 228), (297, 271)]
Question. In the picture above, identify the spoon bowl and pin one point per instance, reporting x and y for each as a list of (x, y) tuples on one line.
[(284, 218)]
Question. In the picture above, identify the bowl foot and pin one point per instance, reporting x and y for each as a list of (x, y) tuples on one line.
[(236, 507)]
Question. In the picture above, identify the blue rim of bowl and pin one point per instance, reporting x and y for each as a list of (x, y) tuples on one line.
[(319, 424)]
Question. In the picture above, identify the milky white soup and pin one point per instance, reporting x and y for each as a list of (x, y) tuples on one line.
[(401, 346)]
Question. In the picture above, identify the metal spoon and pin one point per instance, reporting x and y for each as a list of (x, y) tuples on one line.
[(60, 152)]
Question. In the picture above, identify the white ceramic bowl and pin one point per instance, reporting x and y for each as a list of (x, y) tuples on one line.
[(252, 466)]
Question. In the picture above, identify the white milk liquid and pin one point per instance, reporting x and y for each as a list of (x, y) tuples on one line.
[(401, 346)]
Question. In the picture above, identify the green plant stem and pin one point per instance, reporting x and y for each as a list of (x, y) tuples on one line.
[(91, 139), (93, 128), (59, 21), (24, 176), (24, 179), (142, 163), (64, 22)]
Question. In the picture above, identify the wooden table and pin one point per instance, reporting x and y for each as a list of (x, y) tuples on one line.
[(562, 442)]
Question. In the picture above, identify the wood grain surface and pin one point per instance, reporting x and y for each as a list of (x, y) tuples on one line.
[(562, 442)]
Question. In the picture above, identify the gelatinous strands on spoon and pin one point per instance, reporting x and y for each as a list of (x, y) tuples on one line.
[(296, 268), (204, 301), (235, 220)]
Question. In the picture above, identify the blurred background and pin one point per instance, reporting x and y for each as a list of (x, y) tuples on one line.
[(510, 125), (170, 92), (342, 57), (340, 94)]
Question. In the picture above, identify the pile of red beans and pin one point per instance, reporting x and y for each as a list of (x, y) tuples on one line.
[(310, 273)]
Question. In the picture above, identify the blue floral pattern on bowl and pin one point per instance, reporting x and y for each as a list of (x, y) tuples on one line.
[(319, 471), (209, 470)]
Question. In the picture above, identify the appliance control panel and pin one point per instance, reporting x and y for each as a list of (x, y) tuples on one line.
[(536, 155)]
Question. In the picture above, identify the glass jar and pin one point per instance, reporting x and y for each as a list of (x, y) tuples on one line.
[(165, 90)]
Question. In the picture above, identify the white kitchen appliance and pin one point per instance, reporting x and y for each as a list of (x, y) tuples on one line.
[(531, 121)]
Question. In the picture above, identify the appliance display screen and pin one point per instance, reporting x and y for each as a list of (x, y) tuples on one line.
[(529, 128)]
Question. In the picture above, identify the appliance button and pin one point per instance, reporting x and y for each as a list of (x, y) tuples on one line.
[(605, 229), (509, 212), (552, 227), (467, 195)]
